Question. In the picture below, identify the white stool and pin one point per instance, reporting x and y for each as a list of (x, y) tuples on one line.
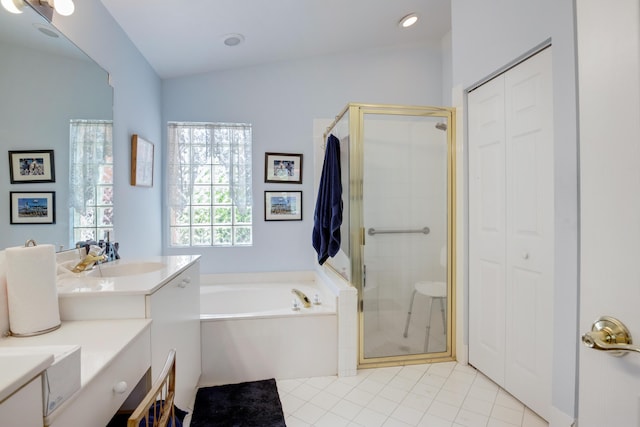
[(433, 291)]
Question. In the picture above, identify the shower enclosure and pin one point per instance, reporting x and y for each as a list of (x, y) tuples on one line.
[(397, 232)]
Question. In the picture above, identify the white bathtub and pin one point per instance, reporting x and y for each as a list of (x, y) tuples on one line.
[(249, 331), (261, 300)]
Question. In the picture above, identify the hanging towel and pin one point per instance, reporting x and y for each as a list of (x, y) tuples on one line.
[(327, 217)]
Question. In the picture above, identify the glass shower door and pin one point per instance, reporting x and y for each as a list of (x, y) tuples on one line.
[(405, 257)]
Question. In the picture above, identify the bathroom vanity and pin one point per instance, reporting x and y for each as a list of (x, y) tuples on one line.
[(126, 316), (115, 355)]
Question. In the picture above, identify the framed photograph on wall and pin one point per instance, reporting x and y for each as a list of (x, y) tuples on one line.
[(283, 205), (31, 166), (141, 162), (32, 207), (283, 167)]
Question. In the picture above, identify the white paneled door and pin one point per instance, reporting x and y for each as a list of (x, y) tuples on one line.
[(609, 108), (511, 230)]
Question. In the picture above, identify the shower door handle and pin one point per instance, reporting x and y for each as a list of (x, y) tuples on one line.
[(364, 275)]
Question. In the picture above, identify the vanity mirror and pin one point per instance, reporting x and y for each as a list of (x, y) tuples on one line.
[(45, 83)]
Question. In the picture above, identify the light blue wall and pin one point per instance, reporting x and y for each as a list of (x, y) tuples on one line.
[(136, 109), (281, 100), (486, 36)]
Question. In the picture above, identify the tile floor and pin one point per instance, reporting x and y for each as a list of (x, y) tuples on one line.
[(434, 395)]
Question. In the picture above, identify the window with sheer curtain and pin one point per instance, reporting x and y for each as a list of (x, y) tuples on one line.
[(209, 184), (91, 179)]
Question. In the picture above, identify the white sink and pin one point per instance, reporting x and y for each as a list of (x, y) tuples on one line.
[(117, 269)]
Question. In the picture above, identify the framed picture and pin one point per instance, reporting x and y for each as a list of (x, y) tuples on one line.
[(31, 166), (141, 162), (33, 207), (283, 167), (283, 205)]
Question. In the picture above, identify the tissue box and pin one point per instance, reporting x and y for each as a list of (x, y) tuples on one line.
[(61, 379)]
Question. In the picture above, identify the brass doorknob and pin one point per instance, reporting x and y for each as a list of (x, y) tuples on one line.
[(610, 335)]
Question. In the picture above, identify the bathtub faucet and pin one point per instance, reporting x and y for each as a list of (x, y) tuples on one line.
[(303, 298)]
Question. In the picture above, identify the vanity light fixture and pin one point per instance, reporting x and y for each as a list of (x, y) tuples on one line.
[(62, 7), (408, 20), (13, 6)]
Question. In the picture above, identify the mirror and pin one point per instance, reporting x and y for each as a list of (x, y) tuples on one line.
[(45, 81)]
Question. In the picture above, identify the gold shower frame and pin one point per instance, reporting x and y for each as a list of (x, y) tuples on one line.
[(355, 113)]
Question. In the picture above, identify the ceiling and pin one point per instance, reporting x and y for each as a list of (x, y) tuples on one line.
[(186, 37), (31, 30)]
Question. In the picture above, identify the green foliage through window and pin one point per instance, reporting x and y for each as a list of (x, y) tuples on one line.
[(209, 175)]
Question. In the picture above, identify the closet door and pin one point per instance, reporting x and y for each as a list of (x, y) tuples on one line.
[(487, 223), (511, 230), (530, 232)]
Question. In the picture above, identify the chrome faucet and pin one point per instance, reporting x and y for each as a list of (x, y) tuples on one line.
[(95, 255), (303, 298)]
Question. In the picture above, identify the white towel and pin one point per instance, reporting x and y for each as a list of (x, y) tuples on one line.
[(31, 289)]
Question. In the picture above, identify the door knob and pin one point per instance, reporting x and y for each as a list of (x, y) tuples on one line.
[(611, 335)]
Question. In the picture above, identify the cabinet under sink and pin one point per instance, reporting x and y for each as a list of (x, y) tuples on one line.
[(168, 295)]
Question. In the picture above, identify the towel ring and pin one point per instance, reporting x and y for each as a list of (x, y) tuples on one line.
[(29, 243)]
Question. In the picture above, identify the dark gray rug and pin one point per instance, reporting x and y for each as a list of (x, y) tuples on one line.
[(250, 404)]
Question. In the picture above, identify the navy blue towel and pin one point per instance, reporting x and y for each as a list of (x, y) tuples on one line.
[(327, 217)]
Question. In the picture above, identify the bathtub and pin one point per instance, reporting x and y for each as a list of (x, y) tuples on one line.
[(249, 331)]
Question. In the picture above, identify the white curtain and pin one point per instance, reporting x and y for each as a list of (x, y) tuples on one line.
[(91, 147), (226, 143)]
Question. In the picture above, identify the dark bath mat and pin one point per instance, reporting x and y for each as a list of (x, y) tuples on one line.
[(249, 404)]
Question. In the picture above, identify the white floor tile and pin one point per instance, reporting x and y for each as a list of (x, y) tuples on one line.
[(331, 420), (359, 397), (451, 398), (382, 405), (326, 400), (309, 413), (305, 391), (407, 415), (346, 409), (417, 402), (290, 403), (471, 419), (433, 421), (338, 388), (295, 422), (370, 418), (476, 405), (320, 382), (531, 419), (509, 415), (393, 394), (443, 410), (429, 395)]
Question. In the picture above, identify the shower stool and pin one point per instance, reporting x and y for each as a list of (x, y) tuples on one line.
[(433, 291)]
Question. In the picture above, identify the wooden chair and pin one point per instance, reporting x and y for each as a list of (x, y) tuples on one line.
[(157, 407)]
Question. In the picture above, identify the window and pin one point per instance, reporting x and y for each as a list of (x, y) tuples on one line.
[(209, 184), (91, 179)]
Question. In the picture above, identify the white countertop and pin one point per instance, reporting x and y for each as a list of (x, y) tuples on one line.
[(100, 342), (162, 269), (16, 371)]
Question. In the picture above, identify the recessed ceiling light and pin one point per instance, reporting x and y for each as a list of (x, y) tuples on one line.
[(233, 39), (408, 20), (47, 31)]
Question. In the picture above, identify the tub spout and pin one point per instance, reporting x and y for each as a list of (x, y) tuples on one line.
[(303, 298)]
